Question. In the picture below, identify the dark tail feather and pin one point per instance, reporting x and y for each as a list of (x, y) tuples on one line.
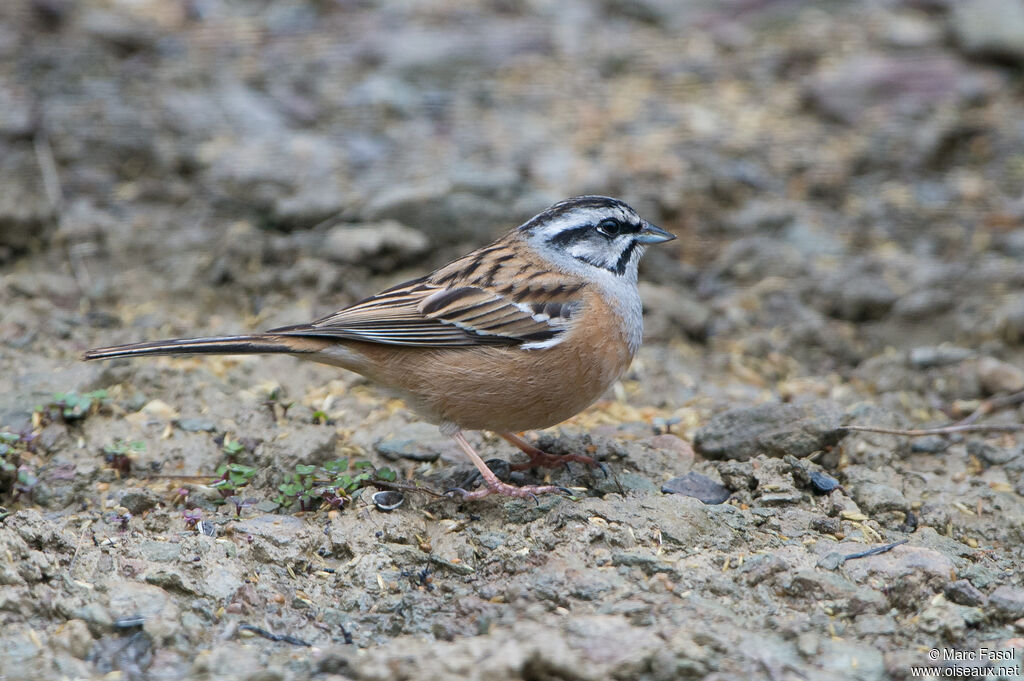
[(225, 345)]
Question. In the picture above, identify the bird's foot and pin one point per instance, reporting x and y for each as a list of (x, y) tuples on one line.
[(545, 460), (541, 459)]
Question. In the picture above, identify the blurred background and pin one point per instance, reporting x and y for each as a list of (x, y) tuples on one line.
[(847, 182), (250, 153)]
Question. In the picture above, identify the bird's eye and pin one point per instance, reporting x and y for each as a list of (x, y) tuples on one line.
[(610, 227)]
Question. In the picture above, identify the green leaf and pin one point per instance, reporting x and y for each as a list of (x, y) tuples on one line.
[(233, 447), (290, 489), (387, 475)]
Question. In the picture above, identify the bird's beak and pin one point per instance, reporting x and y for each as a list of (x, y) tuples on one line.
[(650, 234)]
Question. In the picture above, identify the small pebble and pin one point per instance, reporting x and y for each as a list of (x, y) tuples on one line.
[(196, 425), (930, 444), (697, 486), (823, 483), (827, 525), (963, 592), (830, 561), (937, 356), (999, 377)]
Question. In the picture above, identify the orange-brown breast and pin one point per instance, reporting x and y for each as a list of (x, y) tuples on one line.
[(504, 388)]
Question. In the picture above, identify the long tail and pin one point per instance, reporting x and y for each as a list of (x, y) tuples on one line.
[(224, 345)]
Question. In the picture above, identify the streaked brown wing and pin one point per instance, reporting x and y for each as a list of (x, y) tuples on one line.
[(424, 314)]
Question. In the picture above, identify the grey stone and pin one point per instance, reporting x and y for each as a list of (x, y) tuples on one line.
[(230, 660), (755, 258), (737, 475), (196, 425), (629, 483), (17, 105), (846, 90), (138, 500), (910, 574), (822, 483), (930, 444), (878, 498), (770, 429), (1000, 377), (684, 520), (21, 654), (156, 608), (276, 538), (841, 659), (160, 551), (823, 584), (415, 441), (923, 304), (831, 560), (649, 564), (780, 497), (826, 525), (26, 217), (963, 592), (671, 311), (992, 454), (41, 284), (759, 216), (698, 486), (989, 28), (938, 356), (122, 29), (74, 637), (23, 564), (1007, 602), (759, 568), (856, 296), (385, 246), (441, 212)]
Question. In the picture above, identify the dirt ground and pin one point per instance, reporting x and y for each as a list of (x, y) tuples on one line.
[(846, 180)]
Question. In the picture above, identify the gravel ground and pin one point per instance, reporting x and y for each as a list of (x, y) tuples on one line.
[(845, 178)]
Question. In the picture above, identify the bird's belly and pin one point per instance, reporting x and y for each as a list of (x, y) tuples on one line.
[(498, 389)]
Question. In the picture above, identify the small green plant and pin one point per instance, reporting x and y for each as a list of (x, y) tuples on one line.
[(119, 454), (333, 483), (16, 476), (233, 447), (72, 406), (234, 476)]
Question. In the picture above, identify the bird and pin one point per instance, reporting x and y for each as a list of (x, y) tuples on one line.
[(518, 335)]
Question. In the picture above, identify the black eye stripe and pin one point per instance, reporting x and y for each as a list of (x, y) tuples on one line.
[(569, 236)]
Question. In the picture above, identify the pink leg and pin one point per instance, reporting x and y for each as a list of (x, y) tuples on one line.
[(541, 459), (495, 486)]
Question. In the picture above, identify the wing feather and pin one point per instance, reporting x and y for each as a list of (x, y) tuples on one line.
[(481, 299)]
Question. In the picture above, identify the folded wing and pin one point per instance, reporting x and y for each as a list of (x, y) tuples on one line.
[(424, 314)]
